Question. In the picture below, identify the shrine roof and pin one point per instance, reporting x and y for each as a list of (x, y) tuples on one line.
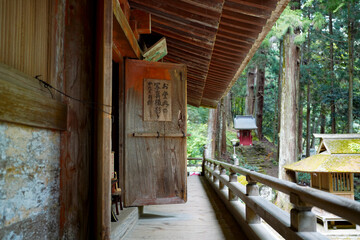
[(244, 123), (215, 39), (336, 153), (327, 163)]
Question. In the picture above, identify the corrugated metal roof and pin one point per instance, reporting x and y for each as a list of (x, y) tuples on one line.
[(244, 123), (214, 38)]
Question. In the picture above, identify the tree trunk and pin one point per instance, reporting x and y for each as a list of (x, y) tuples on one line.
[(250, 95), (308, 117), (332, 78), (260, 82), (223, 128), (322, 118), (350, 66), (308, 87), (289, 114), (211, 136), (221, 133), (229, 117), (281, 59), (288, 149)]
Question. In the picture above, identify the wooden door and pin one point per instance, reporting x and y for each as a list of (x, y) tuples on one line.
[(155, 129)]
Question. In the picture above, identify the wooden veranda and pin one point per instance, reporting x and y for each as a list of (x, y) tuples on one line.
[(204, 216)]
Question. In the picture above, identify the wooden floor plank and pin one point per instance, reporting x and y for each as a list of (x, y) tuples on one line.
[(203, 217)]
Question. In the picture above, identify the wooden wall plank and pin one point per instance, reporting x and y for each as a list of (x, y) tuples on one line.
[(24, 36)]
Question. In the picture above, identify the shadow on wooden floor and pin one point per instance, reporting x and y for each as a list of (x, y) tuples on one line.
[(204, 216)]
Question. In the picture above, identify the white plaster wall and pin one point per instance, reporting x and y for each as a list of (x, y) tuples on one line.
[(29, 182)]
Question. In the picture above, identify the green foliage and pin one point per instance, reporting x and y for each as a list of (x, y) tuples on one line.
[(355, 147), (197, 115), (197, 140), (304, 178)]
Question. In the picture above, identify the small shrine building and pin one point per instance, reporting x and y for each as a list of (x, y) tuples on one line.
[(244, 125)]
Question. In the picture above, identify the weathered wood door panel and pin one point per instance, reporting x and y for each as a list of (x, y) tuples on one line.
[(155, 144)]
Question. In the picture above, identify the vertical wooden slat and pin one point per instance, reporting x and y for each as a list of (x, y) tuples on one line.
[(24, 35), (103, 93)]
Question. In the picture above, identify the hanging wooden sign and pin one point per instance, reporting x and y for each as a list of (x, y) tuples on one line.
[(157, 100)]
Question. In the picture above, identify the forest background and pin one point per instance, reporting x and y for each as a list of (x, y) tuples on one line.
[(325, 39)]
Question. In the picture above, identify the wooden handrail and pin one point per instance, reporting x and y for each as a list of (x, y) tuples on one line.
[(295, 225)]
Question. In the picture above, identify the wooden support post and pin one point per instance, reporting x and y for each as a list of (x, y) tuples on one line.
[(302, 219), (252, 189), (222, 172), (232, 178)]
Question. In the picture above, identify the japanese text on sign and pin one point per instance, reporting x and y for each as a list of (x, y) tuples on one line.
[(157, 100)]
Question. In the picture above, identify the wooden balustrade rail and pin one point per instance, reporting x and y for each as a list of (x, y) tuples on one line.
[(299, 224), (198, 162)]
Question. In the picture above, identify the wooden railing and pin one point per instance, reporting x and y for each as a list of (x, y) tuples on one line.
[(299, 224), (198, 163)]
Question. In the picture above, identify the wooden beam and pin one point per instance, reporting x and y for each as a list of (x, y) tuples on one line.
[(157, 51), (143, 20), (29, 107), (25, 101), (123, 36)]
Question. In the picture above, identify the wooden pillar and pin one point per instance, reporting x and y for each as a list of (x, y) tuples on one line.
[(103, 93), (222, 172), (232, 178), (302, 219), (251, 190)]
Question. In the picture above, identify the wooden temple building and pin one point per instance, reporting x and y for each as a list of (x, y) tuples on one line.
[(81, 79)]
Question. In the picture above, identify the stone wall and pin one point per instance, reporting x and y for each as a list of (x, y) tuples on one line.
[(29, 182)]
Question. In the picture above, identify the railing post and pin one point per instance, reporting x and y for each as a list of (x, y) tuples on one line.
[(222, 172), (252, 189), (232, 178), (302, 219), (203, 163), (216, 168)]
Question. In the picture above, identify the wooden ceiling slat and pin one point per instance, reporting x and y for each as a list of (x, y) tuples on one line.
[(215, 5), (157, 12), (240, 32), (225, 58), (233, 41), (190, 35), (189, 51), (175, 8), (247, 10), (228, 46), (221, 71), (181, 38), (185, 61), (266, 5), (243, 18), (240, 25), (181, 26), (235, 37), (228, 53), (198, 49)]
